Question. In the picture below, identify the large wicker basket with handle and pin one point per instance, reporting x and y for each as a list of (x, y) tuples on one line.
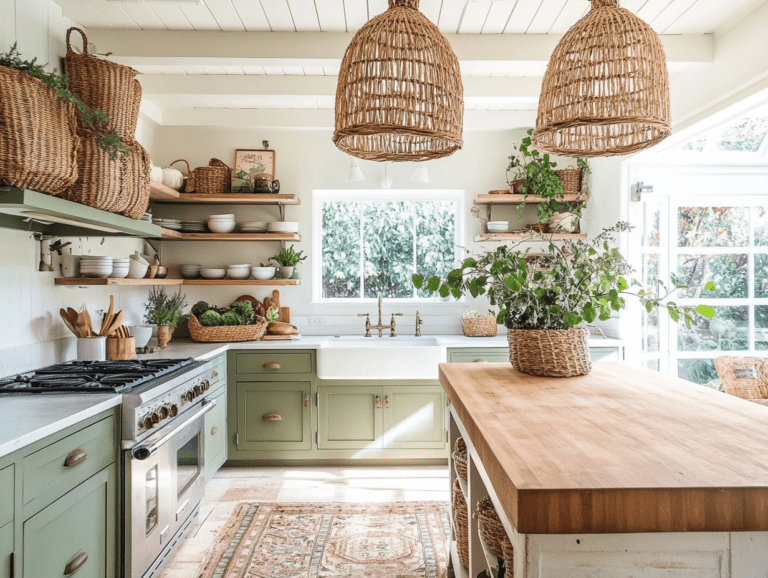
[(38, 135), (189, 187), (490, 527), (460, 458), (550, 352), (225, 333), (461, 523), (215, 179)]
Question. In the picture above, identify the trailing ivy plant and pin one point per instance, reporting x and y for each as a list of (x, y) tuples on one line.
[(109, 140), (578, 282)]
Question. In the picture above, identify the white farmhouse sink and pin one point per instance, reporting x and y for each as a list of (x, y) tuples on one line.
[(380, 358)]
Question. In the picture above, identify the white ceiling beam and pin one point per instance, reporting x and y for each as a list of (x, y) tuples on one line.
[(189, 48), (221, 84), (323, 119)]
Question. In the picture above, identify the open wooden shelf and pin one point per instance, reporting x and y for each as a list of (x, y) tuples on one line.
[(159, 193), (177, 236), (513, 199), (485, 237), (87, 282)]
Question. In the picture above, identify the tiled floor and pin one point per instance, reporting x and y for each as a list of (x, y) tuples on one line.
[(342, 484)]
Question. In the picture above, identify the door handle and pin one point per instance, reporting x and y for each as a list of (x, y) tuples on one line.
[(378, 401), (271, 417), (75, 457), (386, 401), (75, 563), (271, 365)]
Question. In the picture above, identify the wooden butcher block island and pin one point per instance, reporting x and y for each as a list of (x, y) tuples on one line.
[(605, 474)]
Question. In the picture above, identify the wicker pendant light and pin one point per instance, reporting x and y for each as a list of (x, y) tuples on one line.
[(400, 96), (606, 90)]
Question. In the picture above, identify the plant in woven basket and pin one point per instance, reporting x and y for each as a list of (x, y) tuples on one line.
[(163, 309), (579, 282), (109, 140)]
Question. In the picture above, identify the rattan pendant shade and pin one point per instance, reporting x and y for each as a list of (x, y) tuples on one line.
[(606, 90), (400, 96)]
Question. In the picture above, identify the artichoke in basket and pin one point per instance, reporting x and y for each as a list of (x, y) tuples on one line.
[(231, 318), (245, 310), (210, 318), (201, 307)]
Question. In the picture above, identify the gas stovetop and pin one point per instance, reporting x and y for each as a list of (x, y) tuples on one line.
[(91, 376)]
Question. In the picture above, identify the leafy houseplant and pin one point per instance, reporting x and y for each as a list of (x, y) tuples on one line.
[(165, 311), (287, 259), (576, 284), (109, 140)]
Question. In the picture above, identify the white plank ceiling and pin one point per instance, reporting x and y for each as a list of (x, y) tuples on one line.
[(451, 16)]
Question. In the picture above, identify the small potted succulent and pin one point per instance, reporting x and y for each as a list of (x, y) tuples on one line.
[(165, 311), (547, 303), (287, 259)]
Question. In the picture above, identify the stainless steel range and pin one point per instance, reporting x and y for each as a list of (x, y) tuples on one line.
[(163, 467)]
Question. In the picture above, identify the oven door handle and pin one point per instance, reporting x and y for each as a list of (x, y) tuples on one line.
[(143, 451)]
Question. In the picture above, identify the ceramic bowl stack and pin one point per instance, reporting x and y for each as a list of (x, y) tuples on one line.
[(171, 224), (213, 273), (190, 271), (137, 267), (497, 226), (283, 227), (120, 267), (147, 217), (95, 267), (263, 273), (253, 226), (193, 227), (222, 223), (239, 271)]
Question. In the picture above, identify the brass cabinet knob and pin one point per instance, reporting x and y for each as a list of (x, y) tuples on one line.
[(378, 401), (271, 417), (214, 430)]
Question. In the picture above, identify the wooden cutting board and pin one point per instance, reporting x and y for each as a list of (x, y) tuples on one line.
[(281, 337)]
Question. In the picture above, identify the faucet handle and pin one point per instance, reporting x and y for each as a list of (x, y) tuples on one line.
[(363, 314), (398, 314)]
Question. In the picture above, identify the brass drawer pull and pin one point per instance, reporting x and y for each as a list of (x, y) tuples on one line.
[(271, 417), (214, 430), (306, 400), (75, 457), (378, 401), (386, 401), (76, 563), (480, 361), (271, 365)]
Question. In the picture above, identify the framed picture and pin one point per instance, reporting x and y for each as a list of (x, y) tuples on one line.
[(249, 165)]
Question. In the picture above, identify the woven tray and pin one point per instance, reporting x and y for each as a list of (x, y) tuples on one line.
[(461, 524), (460, 458), (489, 526), (550, 352), (479, 326), (226, 333)]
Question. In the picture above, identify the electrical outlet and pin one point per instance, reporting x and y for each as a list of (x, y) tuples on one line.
[(317, 321)]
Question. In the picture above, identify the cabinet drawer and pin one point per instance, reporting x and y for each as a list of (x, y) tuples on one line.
[(489, 355), (6, 550), (66, 463), (273, 363), (6, 495), (273, 416)]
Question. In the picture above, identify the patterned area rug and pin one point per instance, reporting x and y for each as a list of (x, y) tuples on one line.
[(396, 540)]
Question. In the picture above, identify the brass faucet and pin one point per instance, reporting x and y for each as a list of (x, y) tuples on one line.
[(380, 327), (419, 323)]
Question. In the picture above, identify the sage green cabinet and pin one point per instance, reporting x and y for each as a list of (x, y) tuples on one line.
[(76, 533), (273, 363), (491, 355), (6, 550), (414, 417), (215, 430), (350, 417), (7, 508), (273, 415)]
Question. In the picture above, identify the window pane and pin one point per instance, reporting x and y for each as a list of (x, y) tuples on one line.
[(761, 226), (435, 240), (341, 249), (701, 371), (696, 145), (653, 364), (652, 220), (388, 233), (652, 333), (761, 328), (728, 331), (729, 273), (745, 135), (713, 227)]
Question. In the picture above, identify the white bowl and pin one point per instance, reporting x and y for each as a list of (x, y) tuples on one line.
[(221, 227), (221, 217), (190, 274), (238, 273), (119, 273), (283, 227), (213, 273), (263, 273), (142, 334), (190, 267), (240, 266), (137, 270)]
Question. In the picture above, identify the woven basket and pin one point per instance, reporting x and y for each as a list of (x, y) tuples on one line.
[(550, 352), (215, 179), (461, 524), (460, 458), (489, 526), (105, 86), (479, 326), (509, 558), (572, 179), (119, 186), (226, 333), (189, 187), (38, 136), (744, 377)]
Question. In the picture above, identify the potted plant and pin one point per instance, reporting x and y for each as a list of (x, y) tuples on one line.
[(165, 311), (546, 307), (287, 259)]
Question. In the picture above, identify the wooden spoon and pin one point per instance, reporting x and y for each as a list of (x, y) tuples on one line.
[(108, 317), (80, 324), (67, 322), (117, 321), (88, 323)]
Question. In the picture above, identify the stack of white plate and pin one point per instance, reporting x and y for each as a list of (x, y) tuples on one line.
[(221, 223), (95, 267), (120, 267), (497, 226), (147, 217), (190, 271), (283, 227), (172, 224), (213, 273), (239, 271), (193, 226), (253, 226)]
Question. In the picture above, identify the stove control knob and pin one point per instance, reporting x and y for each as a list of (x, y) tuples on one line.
[(147, 423), (155, 417), (164, 412), (200, 389), (190, 395), (207, 385), (173, 409)]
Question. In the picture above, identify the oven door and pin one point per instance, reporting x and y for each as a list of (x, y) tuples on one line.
[(188, 471)]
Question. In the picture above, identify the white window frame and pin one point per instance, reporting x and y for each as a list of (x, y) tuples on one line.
[(321, 196)]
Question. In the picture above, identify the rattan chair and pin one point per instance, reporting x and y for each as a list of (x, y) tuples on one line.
[(744, 377)]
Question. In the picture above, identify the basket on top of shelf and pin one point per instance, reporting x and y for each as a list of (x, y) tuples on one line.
[(490, 527), (572, 179), (480, 326), (460, 458), (461, 524), (189, 185), (225, 333), (215, 179)]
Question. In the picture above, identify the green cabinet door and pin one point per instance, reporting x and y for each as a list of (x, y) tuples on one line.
[(414, 416), (75, 533), (491, 355), (349, 417), (6, 550), (215, 430), (273, 416)]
